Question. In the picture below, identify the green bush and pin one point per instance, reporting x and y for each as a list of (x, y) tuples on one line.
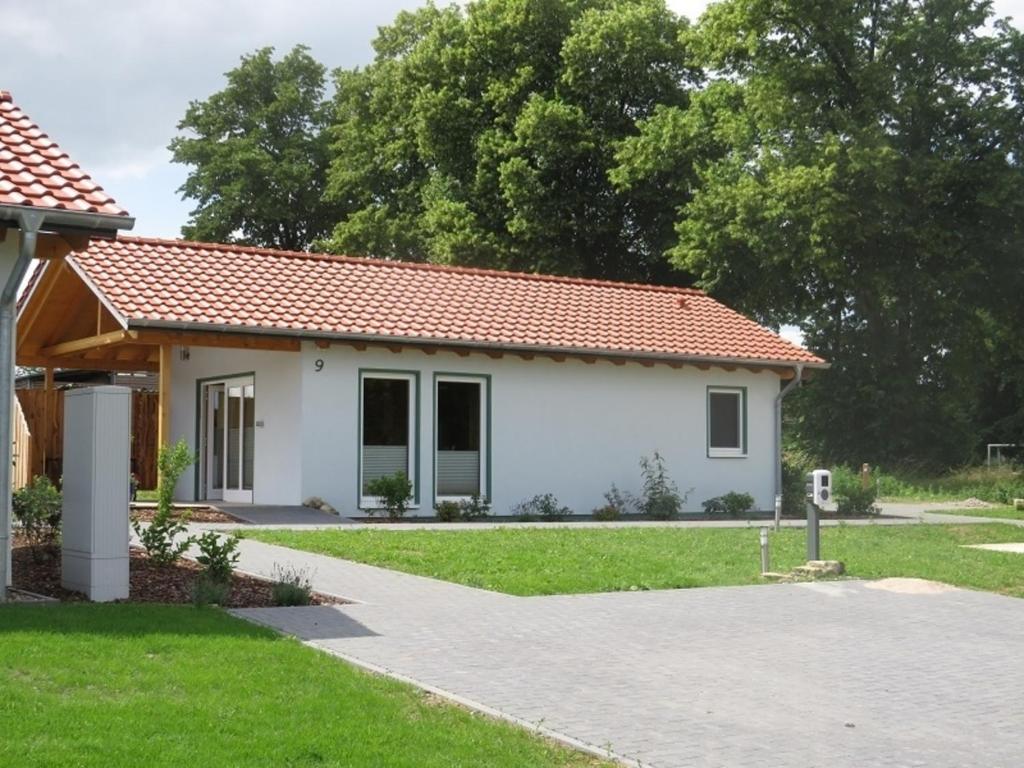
[(37, 508), (291, 586), (851, 497), (541, 507), (616, 505), (217, 555), (794, 487), (394, 492), (660, 499), (732, 504), (474, 508), (209, 591), (162, 538), (447, 511)]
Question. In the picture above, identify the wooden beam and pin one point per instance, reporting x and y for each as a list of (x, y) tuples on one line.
[(494, 354), (164, 407), (323, 344), (217, 339), (41, 294), (75, 362), (89, 342)]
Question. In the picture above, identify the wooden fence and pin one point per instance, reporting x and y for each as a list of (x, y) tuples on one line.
[(22, 439), (43, 452)]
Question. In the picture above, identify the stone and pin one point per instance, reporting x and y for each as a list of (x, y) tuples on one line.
[(314, 502), (830, 567), (325, 507), (1018, 503)]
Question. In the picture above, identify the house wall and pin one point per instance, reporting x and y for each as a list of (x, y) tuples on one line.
[(569, 428), (277, 469)]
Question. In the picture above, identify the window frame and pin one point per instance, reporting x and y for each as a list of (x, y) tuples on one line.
[(484, 380), (413, 377), (725, 452)]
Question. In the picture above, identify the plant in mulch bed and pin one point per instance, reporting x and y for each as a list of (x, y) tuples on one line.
[(292, 586), (37, 508), (163, 538), (543, 506), (393, 492), (217, 555), (732, 504), (661, 499), (616, 505)]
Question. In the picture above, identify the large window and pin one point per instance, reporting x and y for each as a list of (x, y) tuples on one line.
[(460, 436), (727, 422), (388, 428)]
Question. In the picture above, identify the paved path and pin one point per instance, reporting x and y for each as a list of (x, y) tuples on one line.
[(840, 674)]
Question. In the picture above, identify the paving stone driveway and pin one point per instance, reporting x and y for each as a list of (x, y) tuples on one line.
[(838, 674)]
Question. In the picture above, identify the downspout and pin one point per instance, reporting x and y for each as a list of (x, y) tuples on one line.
[(30, 223), (797, 379)]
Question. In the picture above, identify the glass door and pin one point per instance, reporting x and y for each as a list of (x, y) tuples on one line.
[(230, 439)]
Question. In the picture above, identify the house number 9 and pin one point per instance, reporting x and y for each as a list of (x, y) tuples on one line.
[(318, 364)]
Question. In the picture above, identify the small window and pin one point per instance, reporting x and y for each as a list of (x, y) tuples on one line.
[(727, 422), (388, 418), (460, 437)]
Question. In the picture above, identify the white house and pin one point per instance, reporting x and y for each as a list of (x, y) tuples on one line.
[(296, 375)]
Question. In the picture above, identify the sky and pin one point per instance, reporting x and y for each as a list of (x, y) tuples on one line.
[(109, 81)]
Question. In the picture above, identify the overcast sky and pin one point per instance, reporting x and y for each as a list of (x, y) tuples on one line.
[(110, 80)]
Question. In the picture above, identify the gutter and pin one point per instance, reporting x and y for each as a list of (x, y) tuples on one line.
[(96, 224), (790, 386), (419, 341)]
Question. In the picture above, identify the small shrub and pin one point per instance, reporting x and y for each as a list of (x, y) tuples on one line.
[(217, 555), (661, 499), (37, 508), (292, 586), (394, 492), (447, 511), (162, 538), (732, 504), (541, 507), (474, 508), (616, 504), (209, 591), (852, 499)]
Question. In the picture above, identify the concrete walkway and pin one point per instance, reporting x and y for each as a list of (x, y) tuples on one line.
[(840, 674)]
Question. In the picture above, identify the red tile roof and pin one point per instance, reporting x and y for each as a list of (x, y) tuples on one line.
[(220, 286), (35, 172)]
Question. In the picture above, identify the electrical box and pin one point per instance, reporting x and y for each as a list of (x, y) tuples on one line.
[(819, 488)]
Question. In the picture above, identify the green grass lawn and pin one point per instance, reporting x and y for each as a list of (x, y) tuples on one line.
[(999, 485), (544, 561), (1005, 513), (131, 685)]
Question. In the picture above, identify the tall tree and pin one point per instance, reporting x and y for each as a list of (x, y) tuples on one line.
[(870, 189), (485, 136), (258, 152)]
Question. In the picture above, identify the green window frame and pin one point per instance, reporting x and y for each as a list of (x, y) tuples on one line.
[(413, 460), (728, 448), (485, 446)]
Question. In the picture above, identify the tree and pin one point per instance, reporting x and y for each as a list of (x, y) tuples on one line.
[(486, 136), (258, 152), (863, 178)]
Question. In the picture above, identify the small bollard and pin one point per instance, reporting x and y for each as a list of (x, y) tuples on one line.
[(765, 557), (813, 533), (778, 512)]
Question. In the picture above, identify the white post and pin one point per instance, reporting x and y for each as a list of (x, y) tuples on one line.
[(97, 457)]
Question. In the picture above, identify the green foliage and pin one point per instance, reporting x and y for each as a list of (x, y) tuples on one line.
[(163, 538), (447, 511), (1000, 485), (860, 175), (218, 555), (732, 504), (616, 505), (794, 486), (660, 499), (485, 134), (474, 508), (291, 586), (208, 590), (258, 154), (541, 507), (851, 496), (37, 508), (393, 493)]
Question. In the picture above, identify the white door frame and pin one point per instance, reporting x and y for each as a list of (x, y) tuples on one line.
[(233, 490)]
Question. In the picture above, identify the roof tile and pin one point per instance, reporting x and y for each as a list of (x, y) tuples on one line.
[(302, 293), (32, 165)]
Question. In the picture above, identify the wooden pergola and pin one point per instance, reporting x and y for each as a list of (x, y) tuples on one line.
[(66, 324)]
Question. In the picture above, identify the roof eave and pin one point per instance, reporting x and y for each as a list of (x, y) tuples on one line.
[(418, 341), (69, 221)]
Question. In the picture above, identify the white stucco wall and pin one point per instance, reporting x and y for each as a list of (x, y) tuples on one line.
[(569, 428), (277, 468)]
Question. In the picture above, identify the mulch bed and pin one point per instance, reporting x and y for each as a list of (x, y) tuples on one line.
[(196, 515), (149, 582)]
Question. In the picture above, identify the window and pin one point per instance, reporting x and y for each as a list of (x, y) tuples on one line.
[(727, 422), (460, 436), (388, 418)]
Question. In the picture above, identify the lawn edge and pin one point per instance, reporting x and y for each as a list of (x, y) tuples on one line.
[(462, 701)]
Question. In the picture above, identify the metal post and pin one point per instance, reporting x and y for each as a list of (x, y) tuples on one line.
[(778, 512), (766, 565), (813, 533)]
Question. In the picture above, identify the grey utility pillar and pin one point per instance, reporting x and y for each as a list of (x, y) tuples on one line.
[(97, 457)]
